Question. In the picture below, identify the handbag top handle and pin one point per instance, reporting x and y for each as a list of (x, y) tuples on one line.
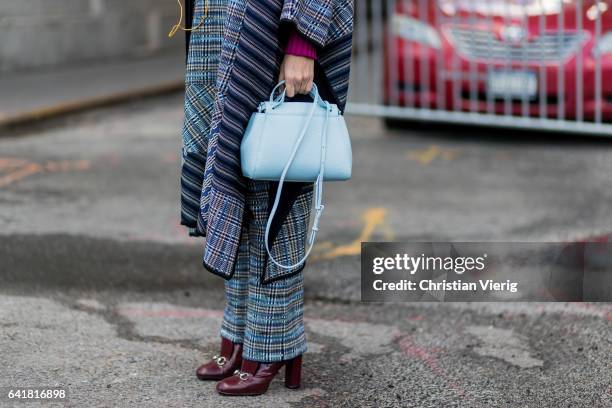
[(280, 99)]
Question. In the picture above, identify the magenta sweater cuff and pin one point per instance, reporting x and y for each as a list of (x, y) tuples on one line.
[(300, 46)]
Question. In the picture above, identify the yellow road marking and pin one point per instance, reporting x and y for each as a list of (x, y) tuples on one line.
[(11, 162), (67, 165), (19, 174), (324, 244), (374, 218), (428, 155), (21, 169)]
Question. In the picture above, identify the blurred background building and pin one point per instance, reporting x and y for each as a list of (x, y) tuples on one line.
[(43, 34)]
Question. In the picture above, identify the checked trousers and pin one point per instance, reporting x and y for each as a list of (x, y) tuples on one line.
[(266, 318)]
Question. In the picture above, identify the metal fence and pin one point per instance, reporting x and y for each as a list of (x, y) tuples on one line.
[(544, 64)]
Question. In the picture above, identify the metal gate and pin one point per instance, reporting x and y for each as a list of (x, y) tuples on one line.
[(543, 64)]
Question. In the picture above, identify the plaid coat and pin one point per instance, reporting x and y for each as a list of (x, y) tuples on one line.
[(248, 67), (203, 52)]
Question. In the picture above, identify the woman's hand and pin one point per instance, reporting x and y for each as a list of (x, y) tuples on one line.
[(298, 73)]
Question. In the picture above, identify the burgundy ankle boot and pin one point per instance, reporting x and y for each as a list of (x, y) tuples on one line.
[(224, 364), (254, 378)]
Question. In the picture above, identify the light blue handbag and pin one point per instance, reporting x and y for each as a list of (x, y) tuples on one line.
[(297, 141)]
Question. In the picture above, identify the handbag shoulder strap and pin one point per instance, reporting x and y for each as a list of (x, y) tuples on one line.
[(318, 186)]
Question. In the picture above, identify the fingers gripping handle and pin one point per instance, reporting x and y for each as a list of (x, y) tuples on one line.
[(280, 99)]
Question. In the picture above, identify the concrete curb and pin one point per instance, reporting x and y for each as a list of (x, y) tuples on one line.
[(66, 108)]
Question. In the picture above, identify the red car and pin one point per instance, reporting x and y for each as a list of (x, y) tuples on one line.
[(523, 57)]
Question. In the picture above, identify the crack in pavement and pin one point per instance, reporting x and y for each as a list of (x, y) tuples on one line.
[(73, 345), (126, 328)]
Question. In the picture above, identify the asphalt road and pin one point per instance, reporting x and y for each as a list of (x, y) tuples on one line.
[(102, 292)]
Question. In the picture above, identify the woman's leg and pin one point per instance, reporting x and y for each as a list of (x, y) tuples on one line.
[(274, 333), (275, 325), (236, 294), (274, 320), (229, 358)]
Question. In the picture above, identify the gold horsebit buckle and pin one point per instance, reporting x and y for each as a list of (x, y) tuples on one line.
[(243, 376), (220, 360)]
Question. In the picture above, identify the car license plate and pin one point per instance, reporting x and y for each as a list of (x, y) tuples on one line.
[(514, 84)]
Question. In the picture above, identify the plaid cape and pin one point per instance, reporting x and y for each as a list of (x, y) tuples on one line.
[(200, 92), (248, 66)]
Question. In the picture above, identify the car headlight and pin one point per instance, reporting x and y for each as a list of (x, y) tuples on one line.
[(412, 29), (604, 46)]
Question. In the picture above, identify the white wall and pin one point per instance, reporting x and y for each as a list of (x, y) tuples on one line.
[(37, 34)]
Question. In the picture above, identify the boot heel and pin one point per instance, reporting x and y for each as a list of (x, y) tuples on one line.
[(293, 373)]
